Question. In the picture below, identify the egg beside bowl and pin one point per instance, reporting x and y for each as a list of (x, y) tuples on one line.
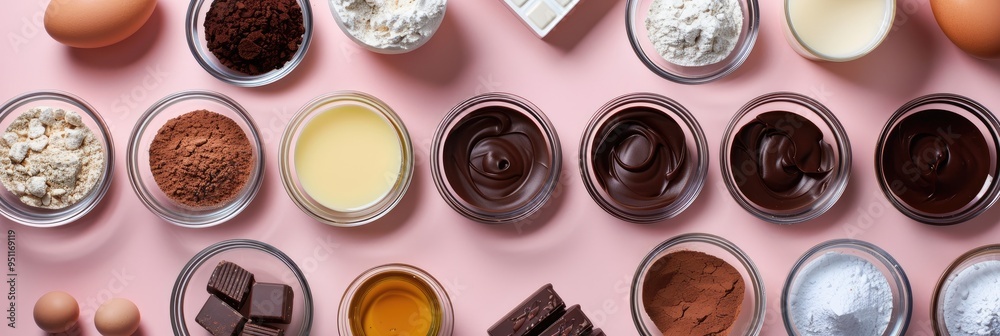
[(95, 23)]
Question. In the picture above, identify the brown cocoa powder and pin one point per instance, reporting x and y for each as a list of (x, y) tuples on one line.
[(201, 159), (693, 293), (254, 36)]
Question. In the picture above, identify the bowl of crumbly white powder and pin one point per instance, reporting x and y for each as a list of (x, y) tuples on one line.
[(692, 41), (966, 301), (56, 158), (389, 26)]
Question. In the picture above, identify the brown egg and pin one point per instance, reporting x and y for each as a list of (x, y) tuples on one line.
[(95, 23), (973, 25), (56, 312), (117, 317)]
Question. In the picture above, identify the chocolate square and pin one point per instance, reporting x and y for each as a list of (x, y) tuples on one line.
[(572, 323), (533, 314), (271, 303), (219, 318), (252, 329), (231, 283)]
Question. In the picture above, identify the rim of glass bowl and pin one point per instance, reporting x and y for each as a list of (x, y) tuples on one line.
[(388, 51), (808, 52), (305, 202), (447, 311), (465, 108), (18, 212), (985, 117), (760, 306), (972, 257), (898, 280), (669, 108), (205, 58), (208, 217), (177, 322), (839, 184), (751, 25)]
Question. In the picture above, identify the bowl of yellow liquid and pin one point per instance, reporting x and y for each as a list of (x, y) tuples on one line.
[(396, 299), (346, 159)]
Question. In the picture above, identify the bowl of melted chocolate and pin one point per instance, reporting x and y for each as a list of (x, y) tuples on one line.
[(936, 159), (643, 158), (496, 158), (785, 158)]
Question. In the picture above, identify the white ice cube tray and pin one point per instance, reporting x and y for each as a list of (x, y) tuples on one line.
[(541, 16)]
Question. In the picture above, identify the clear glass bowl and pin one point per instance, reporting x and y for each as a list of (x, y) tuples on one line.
[(808, 52), (446, 325), (470, 107), (10, 206), (195, 24), (751, 317), (638, 36), (976, 113), (141, 176), (902, 300), (433, 25), (696, 156), (973, 257), (267, 263), (311, 206), (820, 116)]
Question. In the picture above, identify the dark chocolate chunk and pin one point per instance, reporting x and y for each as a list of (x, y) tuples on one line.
[(231, 283), (572, 323), (596, 332), (271, 303), (533, 315), (259, 330), (219, 318)]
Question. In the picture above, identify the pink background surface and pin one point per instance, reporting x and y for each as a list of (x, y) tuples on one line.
[(588, 255)]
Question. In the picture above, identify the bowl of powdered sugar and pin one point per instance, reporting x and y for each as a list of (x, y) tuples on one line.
[(692, 41), (56, 159), (966, 301), (389, 26)]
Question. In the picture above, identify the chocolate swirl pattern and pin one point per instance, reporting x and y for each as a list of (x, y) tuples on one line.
[(497, 159), (640, 159), (936, 161), (780, 161)]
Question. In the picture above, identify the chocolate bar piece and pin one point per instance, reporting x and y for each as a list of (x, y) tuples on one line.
[(534, 314), (219, 318), (259, 330), (231, 283), (596, 332), (572, 323), (271, 303)]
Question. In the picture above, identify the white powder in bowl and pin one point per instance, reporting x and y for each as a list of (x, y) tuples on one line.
[(390, 24), (694, 32), (972, 301), (841, 294)]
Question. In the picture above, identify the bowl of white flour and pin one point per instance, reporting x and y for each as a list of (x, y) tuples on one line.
[(389, 26), (692, 41), (966, 301)]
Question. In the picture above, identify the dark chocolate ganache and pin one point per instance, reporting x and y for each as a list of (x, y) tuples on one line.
[(496, 159), (936, 161), (640, 159), (780, 162)]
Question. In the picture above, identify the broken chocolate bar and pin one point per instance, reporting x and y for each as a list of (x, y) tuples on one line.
[(271, 303), (537, 312), (219, 318), (572, 323), (258, 330), (231, 283)]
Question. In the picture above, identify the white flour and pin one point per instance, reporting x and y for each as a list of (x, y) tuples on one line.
[(841, 294), (390, 24), (972, 301), (694, 32)]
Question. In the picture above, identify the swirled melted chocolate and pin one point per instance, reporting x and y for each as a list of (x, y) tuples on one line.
[(936, 161), (640, 159), (496, 159), (780, 161)]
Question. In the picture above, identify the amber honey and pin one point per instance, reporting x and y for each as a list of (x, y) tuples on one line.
[(395, 304)]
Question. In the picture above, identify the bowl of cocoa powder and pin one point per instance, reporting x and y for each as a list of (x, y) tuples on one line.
[(196, 159), (697, 284)]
